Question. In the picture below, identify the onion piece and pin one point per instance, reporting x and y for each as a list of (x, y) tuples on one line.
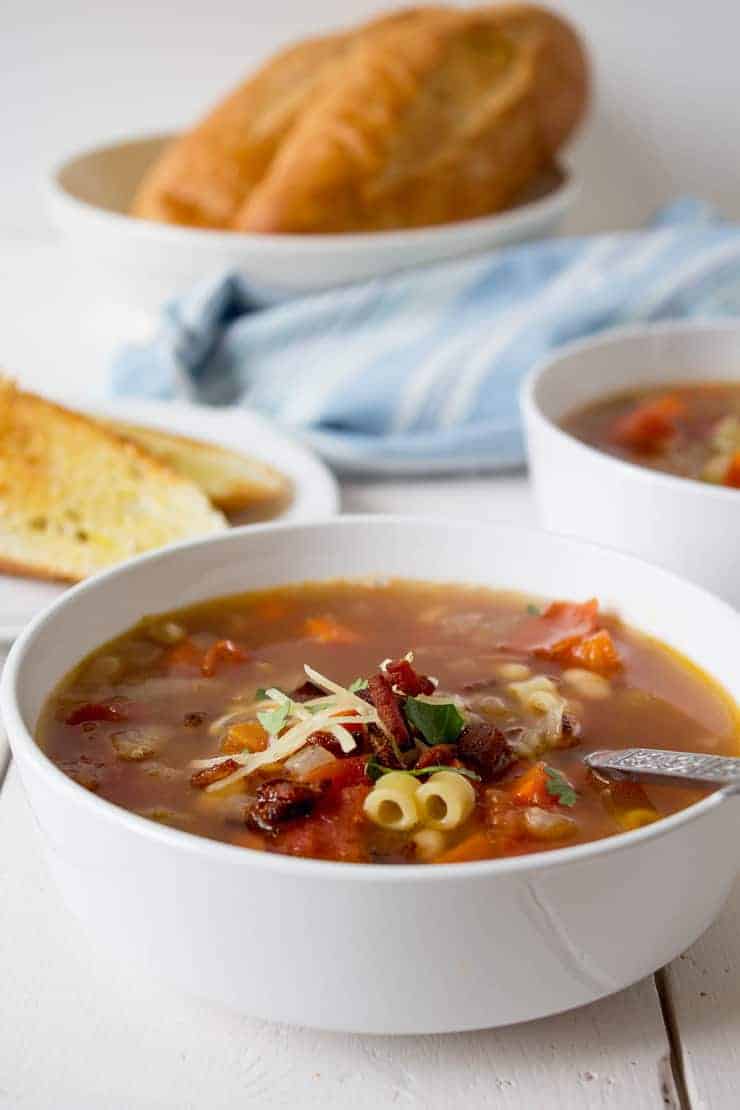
[(309, 759)]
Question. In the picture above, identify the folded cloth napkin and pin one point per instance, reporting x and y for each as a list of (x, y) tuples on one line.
[(420, 371)]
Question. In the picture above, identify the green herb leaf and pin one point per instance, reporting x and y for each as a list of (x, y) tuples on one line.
[(438, 722), (375, 770), (272, 720), (534, 610), (559, 787), (260, 694), (358, 684)]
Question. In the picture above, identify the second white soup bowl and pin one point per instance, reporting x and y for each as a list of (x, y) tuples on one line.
[(688, 526), (402, 949)]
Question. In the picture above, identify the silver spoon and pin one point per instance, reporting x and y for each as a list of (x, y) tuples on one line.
[(676, 768)]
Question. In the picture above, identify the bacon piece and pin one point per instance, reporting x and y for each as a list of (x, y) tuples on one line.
[(327, 741), (223, 651), (650, 424), (209, 775), (388, 709), (485, 748), (95, 711), (405, 679), (562, 624), (439, 754), (306, 692), (280, 800)]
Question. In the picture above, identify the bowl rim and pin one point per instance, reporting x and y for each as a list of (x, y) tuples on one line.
[(612, 337), (559, 198), (192, 843)]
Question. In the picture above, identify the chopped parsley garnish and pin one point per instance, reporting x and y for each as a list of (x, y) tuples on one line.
[(272, 720), (534, 610), (375, 770), (358, 684), (438, 722), (260, 694), (559, 787)]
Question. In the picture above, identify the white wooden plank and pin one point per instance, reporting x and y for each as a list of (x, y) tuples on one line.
[(703, 988), (78, 1030)]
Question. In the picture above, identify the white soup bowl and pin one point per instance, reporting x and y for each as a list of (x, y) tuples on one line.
[(688, 526), (366, 947)]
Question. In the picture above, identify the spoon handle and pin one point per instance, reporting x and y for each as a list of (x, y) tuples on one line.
[(677, 768)]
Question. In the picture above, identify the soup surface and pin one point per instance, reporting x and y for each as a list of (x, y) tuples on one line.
[(692, 431), (394, 722)]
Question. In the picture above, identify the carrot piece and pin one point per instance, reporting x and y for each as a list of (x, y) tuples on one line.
[(223, 651), (732, 476), (597, 652), (475, 846), (325, 630), (531, 788), (249, 735), (271, 609), (648, 425), (183, 657)]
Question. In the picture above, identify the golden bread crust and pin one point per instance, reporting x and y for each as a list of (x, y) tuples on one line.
[(420, 117)]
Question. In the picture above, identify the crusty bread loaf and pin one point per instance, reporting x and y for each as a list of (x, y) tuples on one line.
[(416, 127), (420, 117), (206, 175), (233, 482), (75, 497)]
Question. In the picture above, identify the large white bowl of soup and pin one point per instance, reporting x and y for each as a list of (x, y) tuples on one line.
[(333, 774), (143, 263), (633, 440)]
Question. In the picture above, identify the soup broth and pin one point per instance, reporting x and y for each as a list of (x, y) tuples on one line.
[(396, 722), (692, 431)]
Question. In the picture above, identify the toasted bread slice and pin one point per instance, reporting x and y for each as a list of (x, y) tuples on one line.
[(205, 176), (75, 497), (233, 482)]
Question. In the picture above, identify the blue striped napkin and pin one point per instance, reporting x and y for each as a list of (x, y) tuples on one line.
[(419, 371)]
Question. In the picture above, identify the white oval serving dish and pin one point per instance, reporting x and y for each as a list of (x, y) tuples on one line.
[(687, 526), (367, 948), (142, 263)]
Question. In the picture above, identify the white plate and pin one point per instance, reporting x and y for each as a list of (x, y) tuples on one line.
[(142, 263), (315, 492)]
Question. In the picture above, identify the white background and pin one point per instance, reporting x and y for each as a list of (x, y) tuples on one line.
[(75, 72)]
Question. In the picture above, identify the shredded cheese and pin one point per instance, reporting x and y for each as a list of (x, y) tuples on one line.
[(330, 713)]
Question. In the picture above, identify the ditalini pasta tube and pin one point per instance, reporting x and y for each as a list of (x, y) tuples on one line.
[(392, 802), (446, 800)]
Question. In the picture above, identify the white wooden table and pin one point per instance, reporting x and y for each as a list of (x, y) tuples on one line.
[(79, 1031)]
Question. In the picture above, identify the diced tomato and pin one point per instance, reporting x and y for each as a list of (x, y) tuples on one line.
[(335, 830), (349, 771), (95, 711), (597, 652), (249, 735), (732, 475), (223, 651), (403, 677), (325, 630), (562, 624), (650, 424), (184, 658), (531, 788)]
